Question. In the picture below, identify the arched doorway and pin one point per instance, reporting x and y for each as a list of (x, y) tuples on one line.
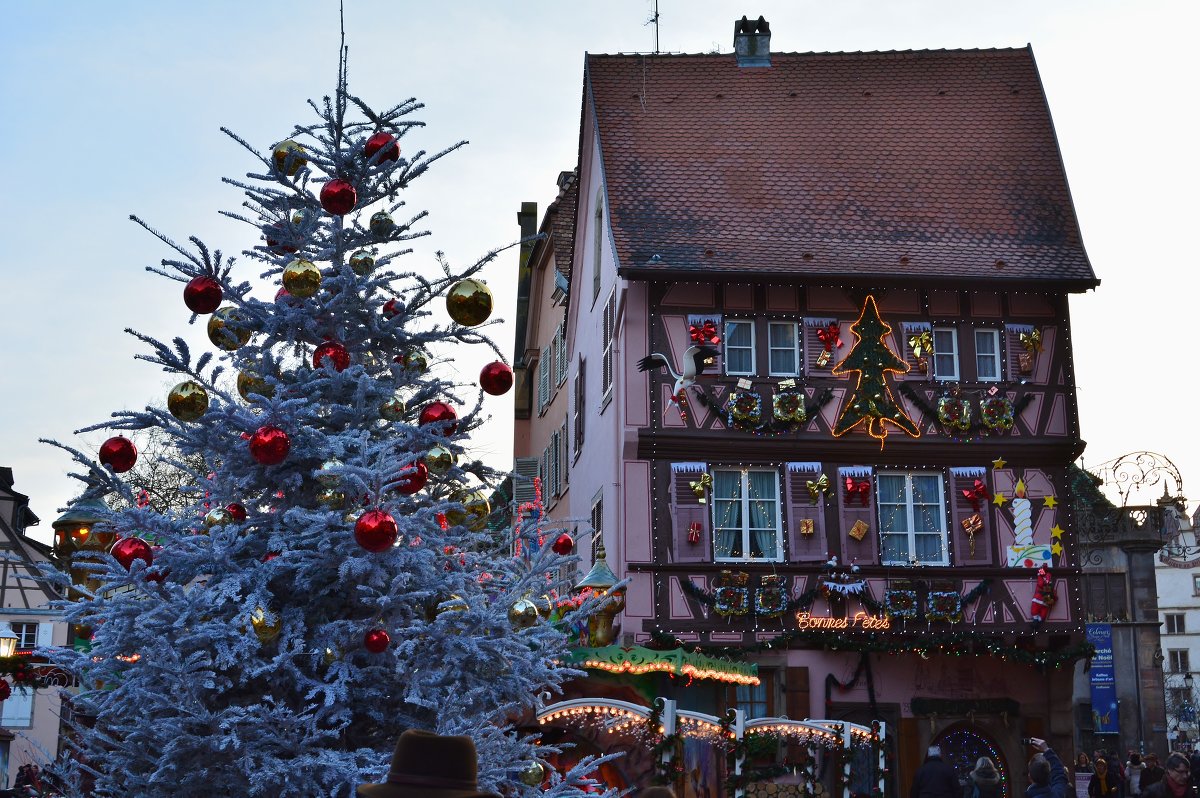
[(963, 744)]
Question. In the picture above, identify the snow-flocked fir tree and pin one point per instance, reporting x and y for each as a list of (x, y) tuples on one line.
[(243, 655)]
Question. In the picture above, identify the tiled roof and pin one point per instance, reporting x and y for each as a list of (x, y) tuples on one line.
[(882, 166), (561, 215)]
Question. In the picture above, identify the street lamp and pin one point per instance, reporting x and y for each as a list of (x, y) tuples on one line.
[(74, 531), (8, 640), (601, 580)]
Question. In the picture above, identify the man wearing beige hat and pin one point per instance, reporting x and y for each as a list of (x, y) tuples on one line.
[(428, 765)]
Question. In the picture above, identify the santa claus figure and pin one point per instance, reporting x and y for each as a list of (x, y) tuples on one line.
[(1043, 596)]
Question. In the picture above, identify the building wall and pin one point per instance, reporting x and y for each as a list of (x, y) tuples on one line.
[(1177, 571)]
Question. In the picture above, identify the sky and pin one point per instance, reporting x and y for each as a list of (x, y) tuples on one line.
[(111, 109)]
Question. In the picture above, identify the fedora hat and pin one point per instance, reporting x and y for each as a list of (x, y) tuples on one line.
[(428, 765)]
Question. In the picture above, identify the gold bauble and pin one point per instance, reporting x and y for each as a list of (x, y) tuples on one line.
[(523, 614), (300, 217), (474, 514), (382, 224), (393, 409), (188, 401), (328, 475), (228, 328), (415, 360), (533, 774), (469, 302), (362, 262), (331, 498), (439, 460), (265, 630), (288, 157), (453, 604), (249, 382), (302, 278), (217, 516)]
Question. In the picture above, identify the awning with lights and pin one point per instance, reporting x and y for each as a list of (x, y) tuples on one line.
[(639, 660)]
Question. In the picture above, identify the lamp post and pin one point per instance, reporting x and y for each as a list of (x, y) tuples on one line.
[(600, 580), (75, 531), (8, 640)]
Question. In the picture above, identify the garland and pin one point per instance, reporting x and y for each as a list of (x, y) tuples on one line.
[(955, 643), (665, 773), (775, 428), (800, 603), (751, 745), (951, 413), (19, 669)]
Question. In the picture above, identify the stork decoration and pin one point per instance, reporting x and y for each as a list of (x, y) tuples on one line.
[(694, 361)]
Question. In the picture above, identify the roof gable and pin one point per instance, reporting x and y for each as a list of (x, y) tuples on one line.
[(880, 166)]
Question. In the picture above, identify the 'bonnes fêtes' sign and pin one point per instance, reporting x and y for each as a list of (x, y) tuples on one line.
[(859, 620)]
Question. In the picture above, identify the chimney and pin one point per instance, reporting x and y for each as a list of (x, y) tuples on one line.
[(752, 42)]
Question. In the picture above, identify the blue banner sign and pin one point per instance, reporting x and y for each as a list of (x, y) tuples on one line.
[(1103, 680)]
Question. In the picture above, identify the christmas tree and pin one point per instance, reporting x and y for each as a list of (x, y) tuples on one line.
[(333, 580), (871, 401)]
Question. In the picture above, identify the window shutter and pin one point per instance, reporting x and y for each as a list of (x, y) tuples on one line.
[(609, 323), (909, 330), (852, 511), (1013, 349), (796, 704), (813, 347), (562, 353), (555, 466), (524, 470), (686, 510), (963, 479), (545, 365), (45, 633), (580, 405), (802, 513), (699, 321)]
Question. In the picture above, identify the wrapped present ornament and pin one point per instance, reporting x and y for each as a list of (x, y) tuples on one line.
[(859, 530), (1024, 363), (830, 337), (807, 526), (922, 348), (972, 525), (693, 533)]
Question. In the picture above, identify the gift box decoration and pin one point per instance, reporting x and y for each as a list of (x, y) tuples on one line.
[(859, 530)]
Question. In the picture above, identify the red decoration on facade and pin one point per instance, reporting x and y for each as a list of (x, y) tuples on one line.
[(1043, 596), (705, 333), (830, 336), (693, 533), (976, 495), (860, 488)]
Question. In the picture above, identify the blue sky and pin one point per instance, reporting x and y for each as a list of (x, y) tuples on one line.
[(108, 109)]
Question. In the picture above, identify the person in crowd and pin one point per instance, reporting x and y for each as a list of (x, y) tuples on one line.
[(427, 765), (1047, 776), (1177, 783), (1194, 764), (1133, 774), (1153, 773), (1105, 782), (935, 778), (1082, 763), (983, 781)]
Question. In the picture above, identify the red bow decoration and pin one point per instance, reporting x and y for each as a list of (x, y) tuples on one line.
[(694, 532), (831, 336), (860, 488), (977, 494), (704, 333)]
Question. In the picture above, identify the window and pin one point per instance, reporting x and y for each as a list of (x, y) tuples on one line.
[(756, 701), (739, 347), (987, 355), (945, 353), (1177, 660), (17, 710), (560, 364), (746, 515), (579, 407), (1175, 623), (912, 519), (783, 348), (597, 248), (27, 634), (1196, 585), (606, 379)]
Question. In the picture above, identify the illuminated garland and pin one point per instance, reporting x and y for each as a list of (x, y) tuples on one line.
[(19, 669), (954, 644), (665, 773), (951, 413)]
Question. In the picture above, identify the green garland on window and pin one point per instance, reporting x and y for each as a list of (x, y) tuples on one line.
[(972, 429)]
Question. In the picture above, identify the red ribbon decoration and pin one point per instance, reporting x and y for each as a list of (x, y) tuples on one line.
[(831, 335), (704, 333), (694, 532), (860, 488), (977, 494)]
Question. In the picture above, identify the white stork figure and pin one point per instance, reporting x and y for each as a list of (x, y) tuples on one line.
[(694, 361)]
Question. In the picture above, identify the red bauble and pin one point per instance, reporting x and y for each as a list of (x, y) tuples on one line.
[(439, 412), (496, 378), (118, 453), (385, 142), (376, 531), (236, 511), (269, 445), (338, 197), (415, 478), (202, 294), (564, 544), (156, 574), (336, 353), (126, 550), (376, 641), (392, 308)]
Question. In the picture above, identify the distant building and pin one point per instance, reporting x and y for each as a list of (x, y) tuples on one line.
[(29, 718), (1177, 573)]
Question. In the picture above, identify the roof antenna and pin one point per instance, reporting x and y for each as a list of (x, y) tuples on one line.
[(654, 21)]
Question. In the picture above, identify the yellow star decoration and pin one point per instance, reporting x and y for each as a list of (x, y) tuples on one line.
[(999, 463), (999, 499), (1056, 549), (1056, 532), (1050, 501)]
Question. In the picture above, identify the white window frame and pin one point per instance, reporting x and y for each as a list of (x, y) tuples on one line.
[(994, 335), (1175, 623), (16, 712), (597, 247), (796, 348), (939, 353), (745, 530), (940, 506), (727, 348), (1178, 660), (1196, 585), (27, 635)]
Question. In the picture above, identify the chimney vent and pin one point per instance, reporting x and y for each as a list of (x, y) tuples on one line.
[(752, 42)]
